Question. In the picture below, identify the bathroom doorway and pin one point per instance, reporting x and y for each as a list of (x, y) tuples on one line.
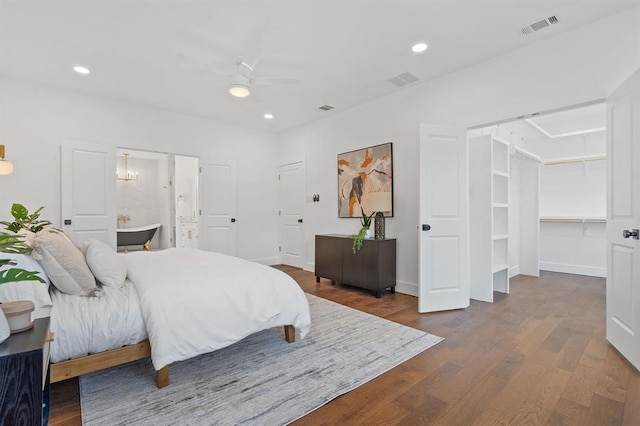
[(143, 200), (187, 210)]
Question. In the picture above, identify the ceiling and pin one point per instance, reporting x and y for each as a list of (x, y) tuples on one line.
[(178, 55)]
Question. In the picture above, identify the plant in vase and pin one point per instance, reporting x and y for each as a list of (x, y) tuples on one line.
[(358, 239), (12, 244), (24, 226), (25, 223)]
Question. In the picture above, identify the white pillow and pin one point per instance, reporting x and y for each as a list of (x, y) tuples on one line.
[(63, 262), (109, 267), (27, 235), (35, 291)]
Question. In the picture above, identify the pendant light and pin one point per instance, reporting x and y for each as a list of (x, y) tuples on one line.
[(5, 166)]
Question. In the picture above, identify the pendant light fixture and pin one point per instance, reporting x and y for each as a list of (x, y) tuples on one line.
[(5, 166), (128, 176)]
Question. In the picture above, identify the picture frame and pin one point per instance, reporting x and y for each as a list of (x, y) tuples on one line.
[(365, 179)]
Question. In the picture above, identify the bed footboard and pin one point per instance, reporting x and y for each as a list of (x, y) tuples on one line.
[(289, 333)]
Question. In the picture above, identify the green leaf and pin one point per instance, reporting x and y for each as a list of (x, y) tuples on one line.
[(17, 275), (10, 243), (18, 211)]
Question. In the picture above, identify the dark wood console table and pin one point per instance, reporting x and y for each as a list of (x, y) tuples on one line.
[(373, 267)]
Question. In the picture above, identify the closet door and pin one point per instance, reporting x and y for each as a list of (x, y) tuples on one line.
[(444, 219), (623, 219), (88, 192)]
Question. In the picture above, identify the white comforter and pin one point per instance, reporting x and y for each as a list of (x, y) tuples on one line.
[(194, 302), (87, 325)]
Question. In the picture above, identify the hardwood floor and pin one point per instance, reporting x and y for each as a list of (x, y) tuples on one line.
[(536, 356)]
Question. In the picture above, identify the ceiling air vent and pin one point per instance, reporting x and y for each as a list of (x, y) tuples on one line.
[(403, 79), (538, 25), (325, 108)]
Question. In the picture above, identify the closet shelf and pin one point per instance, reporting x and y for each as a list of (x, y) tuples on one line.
[(499, 173), (573, 219), (497, 267), (501, 205), (500, 237)]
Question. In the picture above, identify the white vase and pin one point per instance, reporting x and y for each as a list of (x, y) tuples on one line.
[(5, 331), (367, 234)]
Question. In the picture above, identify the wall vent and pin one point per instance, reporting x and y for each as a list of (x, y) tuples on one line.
[(538, 25), (403, 79), (325, 108)]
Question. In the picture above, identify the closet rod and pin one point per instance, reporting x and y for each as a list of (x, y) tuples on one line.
[(576, 159), (527, 154)]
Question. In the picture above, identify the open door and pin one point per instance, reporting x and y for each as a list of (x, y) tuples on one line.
[(218, 196), (444, 218), (623, 219), (88, 192)]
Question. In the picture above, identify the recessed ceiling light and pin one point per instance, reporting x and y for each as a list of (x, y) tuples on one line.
[(81, 70), (419, 47), (268, 116)]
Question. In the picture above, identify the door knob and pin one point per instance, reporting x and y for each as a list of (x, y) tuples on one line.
[(299, 220), (426, 227), (233, 220), (634, 233)]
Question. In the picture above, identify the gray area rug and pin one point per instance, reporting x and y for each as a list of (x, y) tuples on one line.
[(260, 380)]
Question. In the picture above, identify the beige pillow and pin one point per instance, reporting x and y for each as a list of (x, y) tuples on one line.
[(109, 267), (63, 262)]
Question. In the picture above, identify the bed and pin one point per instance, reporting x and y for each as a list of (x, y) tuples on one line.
[(173, 305)]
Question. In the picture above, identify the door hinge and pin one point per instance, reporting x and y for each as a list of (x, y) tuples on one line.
[(200, 212), (278, 177), (279, 213), (279, 248), (200, 169)]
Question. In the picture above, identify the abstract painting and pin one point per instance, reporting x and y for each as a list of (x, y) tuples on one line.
[(365, 179)]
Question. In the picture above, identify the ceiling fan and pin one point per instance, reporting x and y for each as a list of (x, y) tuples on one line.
[(198, 49), (242, 81)]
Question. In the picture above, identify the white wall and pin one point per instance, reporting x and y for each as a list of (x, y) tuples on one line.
[(572, 68), (35, 120), (573, 190)]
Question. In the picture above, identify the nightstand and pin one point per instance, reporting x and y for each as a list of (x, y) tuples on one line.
[(24, 376)]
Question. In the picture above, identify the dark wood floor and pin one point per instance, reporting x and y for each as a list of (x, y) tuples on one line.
[(536, 356)]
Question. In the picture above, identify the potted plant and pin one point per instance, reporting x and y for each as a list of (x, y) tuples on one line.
[(358, 239), (13, 244), (24, 220)]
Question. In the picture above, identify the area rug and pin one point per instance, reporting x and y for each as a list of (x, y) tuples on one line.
[(260, 380)]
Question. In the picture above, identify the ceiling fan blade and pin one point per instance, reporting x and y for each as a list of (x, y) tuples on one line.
[(274, 81)]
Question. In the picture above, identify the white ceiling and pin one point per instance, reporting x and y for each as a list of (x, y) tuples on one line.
[(178, 55)]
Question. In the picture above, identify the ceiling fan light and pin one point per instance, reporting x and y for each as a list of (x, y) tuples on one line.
[(239, 90)]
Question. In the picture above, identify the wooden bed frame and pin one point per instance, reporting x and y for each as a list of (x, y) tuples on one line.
[(88, 364)]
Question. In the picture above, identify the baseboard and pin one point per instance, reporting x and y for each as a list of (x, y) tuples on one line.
[(404, 287), (591, 271), (513, 271), (310, 267), (269, 261)]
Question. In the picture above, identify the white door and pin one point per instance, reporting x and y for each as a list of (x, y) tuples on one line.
[(218, 195), (292, 180), (88, 192), (623, 219), (444, 216)]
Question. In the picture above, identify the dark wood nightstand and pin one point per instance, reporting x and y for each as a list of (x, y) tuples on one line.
[(24, 376)]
